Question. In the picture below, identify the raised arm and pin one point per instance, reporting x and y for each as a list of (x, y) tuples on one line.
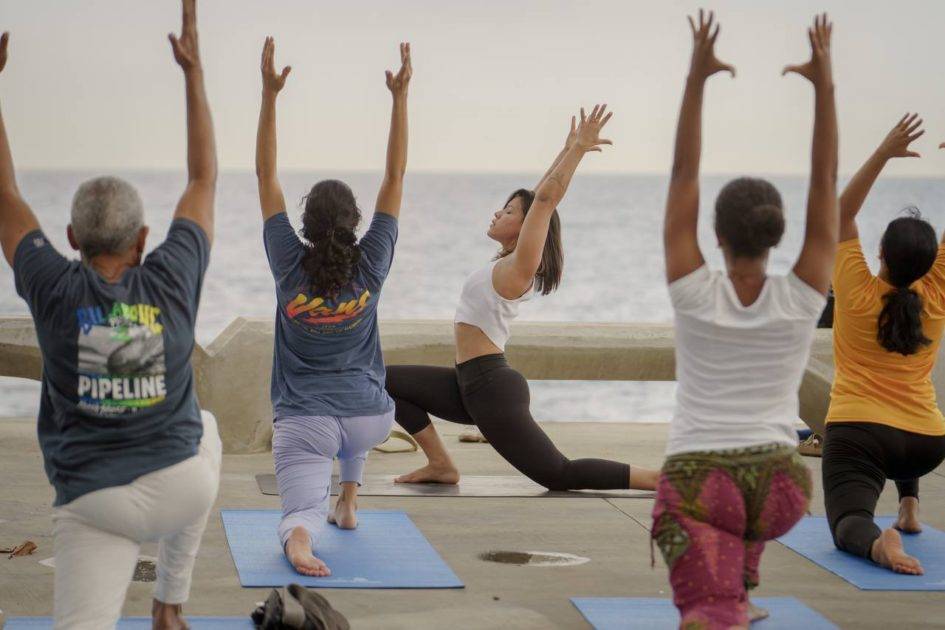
[(895, 144), (815, 264), (271, 199), (196, 203), (16, 218), (572, 136), (516, 272), (680, 227), (392, 186)]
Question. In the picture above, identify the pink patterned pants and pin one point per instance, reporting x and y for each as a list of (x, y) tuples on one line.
[(714, 512)]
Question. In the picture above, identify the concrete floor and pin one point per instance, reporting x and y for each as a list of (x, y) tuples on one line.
[(612, 533)]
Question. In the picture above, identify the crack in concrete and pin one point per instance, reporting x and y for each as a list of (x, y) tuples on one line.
[(627, 514)]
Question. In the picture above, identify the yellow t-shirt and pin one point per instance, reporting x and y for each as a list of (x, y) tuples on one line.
[(870, 383)]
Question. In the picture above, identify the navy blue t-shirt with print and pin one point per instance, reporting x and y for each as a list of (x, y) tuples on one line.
[(327, 354), (118, 397)]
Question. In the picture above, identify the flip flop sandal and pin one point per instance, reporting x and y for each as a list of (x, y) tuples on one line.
[(411, 447), (473, 435), (813, 446)]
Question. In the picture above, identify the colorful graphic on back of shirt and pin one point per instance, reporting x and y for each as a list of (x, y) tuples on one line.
[(322, 311), (121, 358)]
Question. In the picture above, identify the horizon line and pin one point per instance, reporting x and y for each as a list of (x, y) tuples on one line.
[(603, 173)]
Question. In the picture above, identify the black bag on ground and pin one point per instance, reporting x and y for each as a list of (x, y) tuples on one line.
[(296, 608)]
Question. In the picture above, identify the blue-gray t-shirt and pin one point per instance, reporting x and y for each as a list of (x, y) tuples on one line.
[(118, 396), (327, 355)]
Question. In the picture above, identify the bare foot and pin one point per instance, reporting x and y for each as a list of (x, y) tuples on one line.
[(298, 549), (888, 552), (756, 613), (431, 473), (345, 514), (908, 521), (167, 617)]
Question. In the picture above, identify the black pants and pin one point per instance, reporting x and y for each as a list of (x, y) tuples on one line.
[(858, 458), (486, 392)]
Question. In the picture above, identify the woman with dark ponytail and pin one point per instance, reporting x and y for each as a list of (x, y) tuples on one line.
[(327, 393), (483, 389), (883, 422)]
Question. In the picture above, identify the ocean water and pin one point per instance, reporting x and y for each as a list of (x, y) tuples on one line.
[(611, 229)]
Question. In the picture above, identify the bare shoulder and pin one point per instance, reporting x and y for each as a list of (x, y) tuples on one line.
[(508, 281)]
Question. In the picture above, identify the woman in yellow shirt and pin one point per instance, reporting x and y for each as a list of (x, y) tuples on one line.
[(883, 422)]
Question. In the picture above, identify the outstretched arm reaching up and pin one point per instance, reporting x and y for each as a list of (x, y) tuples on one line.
[(271, 199), (196, 203), (680, 228), (516, 272), (895, 144), (815, 264), (392, 187), (16, 218), (572, 136)]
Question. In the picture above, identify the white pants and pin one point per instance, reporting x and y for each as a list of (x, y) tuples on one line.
[(303, 448), (98, 536)]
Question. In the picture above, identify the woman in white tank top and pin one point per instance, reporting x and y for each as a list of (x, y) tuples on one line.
[(482, 389)]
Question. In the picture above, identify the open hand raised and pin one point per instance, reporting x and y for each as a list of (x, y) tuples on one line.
[(186, 52), (397, 83), (272, 81), (587, 136), (897, 141), (818, 70), (704, 62), (4, 42)]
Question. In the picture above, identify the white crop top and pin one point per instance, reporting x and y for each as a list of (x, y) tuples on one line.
[(481, 306)]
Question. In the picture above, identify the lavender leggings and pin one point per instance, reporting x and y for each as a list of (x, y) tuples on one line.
[(303, 448)]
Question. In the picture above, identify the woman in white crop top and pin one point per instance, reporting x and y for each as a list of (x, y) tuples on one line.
[(482, 389), (733, 478)]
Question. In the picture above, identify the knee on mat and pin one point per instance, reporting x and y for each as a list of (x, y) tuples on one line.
[(850, 529), (560, 482)]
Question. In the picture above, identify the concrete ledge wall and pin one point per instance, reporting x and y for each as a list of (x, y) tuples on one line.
[(233, 372)]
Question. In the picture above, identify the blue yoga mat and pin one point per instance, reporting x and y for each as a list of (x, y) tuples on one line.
[(652, 613), (811, 538), (385, 551), (139, 623)]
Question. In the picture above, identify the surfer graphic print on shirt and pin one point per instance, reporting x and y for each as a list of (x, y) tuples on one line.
[(121, 358)]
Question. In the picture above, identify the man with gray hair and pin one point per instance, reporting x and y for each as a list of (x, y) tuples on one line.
[(107, 218), (130, 454)]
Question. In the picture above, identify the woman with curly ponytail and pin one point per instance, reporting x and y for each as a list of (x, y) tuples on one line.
[(328, 375), (883, 421), (328, 223)]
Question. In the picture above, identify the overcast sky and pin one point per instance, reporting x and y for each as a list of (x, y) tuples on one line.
[(91, 84)]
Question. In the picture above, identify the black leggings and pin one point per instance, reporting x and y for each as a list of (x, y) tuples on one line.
[(858, 459), (488, 393)]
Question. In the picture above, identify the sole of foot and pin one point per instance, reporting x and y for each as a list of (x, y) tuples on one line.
[(344, 516), (908, 521), (888, 552), (298, 550), (431, 474)]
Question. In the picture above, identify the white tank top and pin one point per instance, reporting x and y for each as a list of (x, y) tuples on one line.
[(481, 306)]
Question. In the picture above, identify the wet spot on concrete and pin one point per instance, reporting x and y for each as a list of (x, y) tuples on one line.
[(533, 558)]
